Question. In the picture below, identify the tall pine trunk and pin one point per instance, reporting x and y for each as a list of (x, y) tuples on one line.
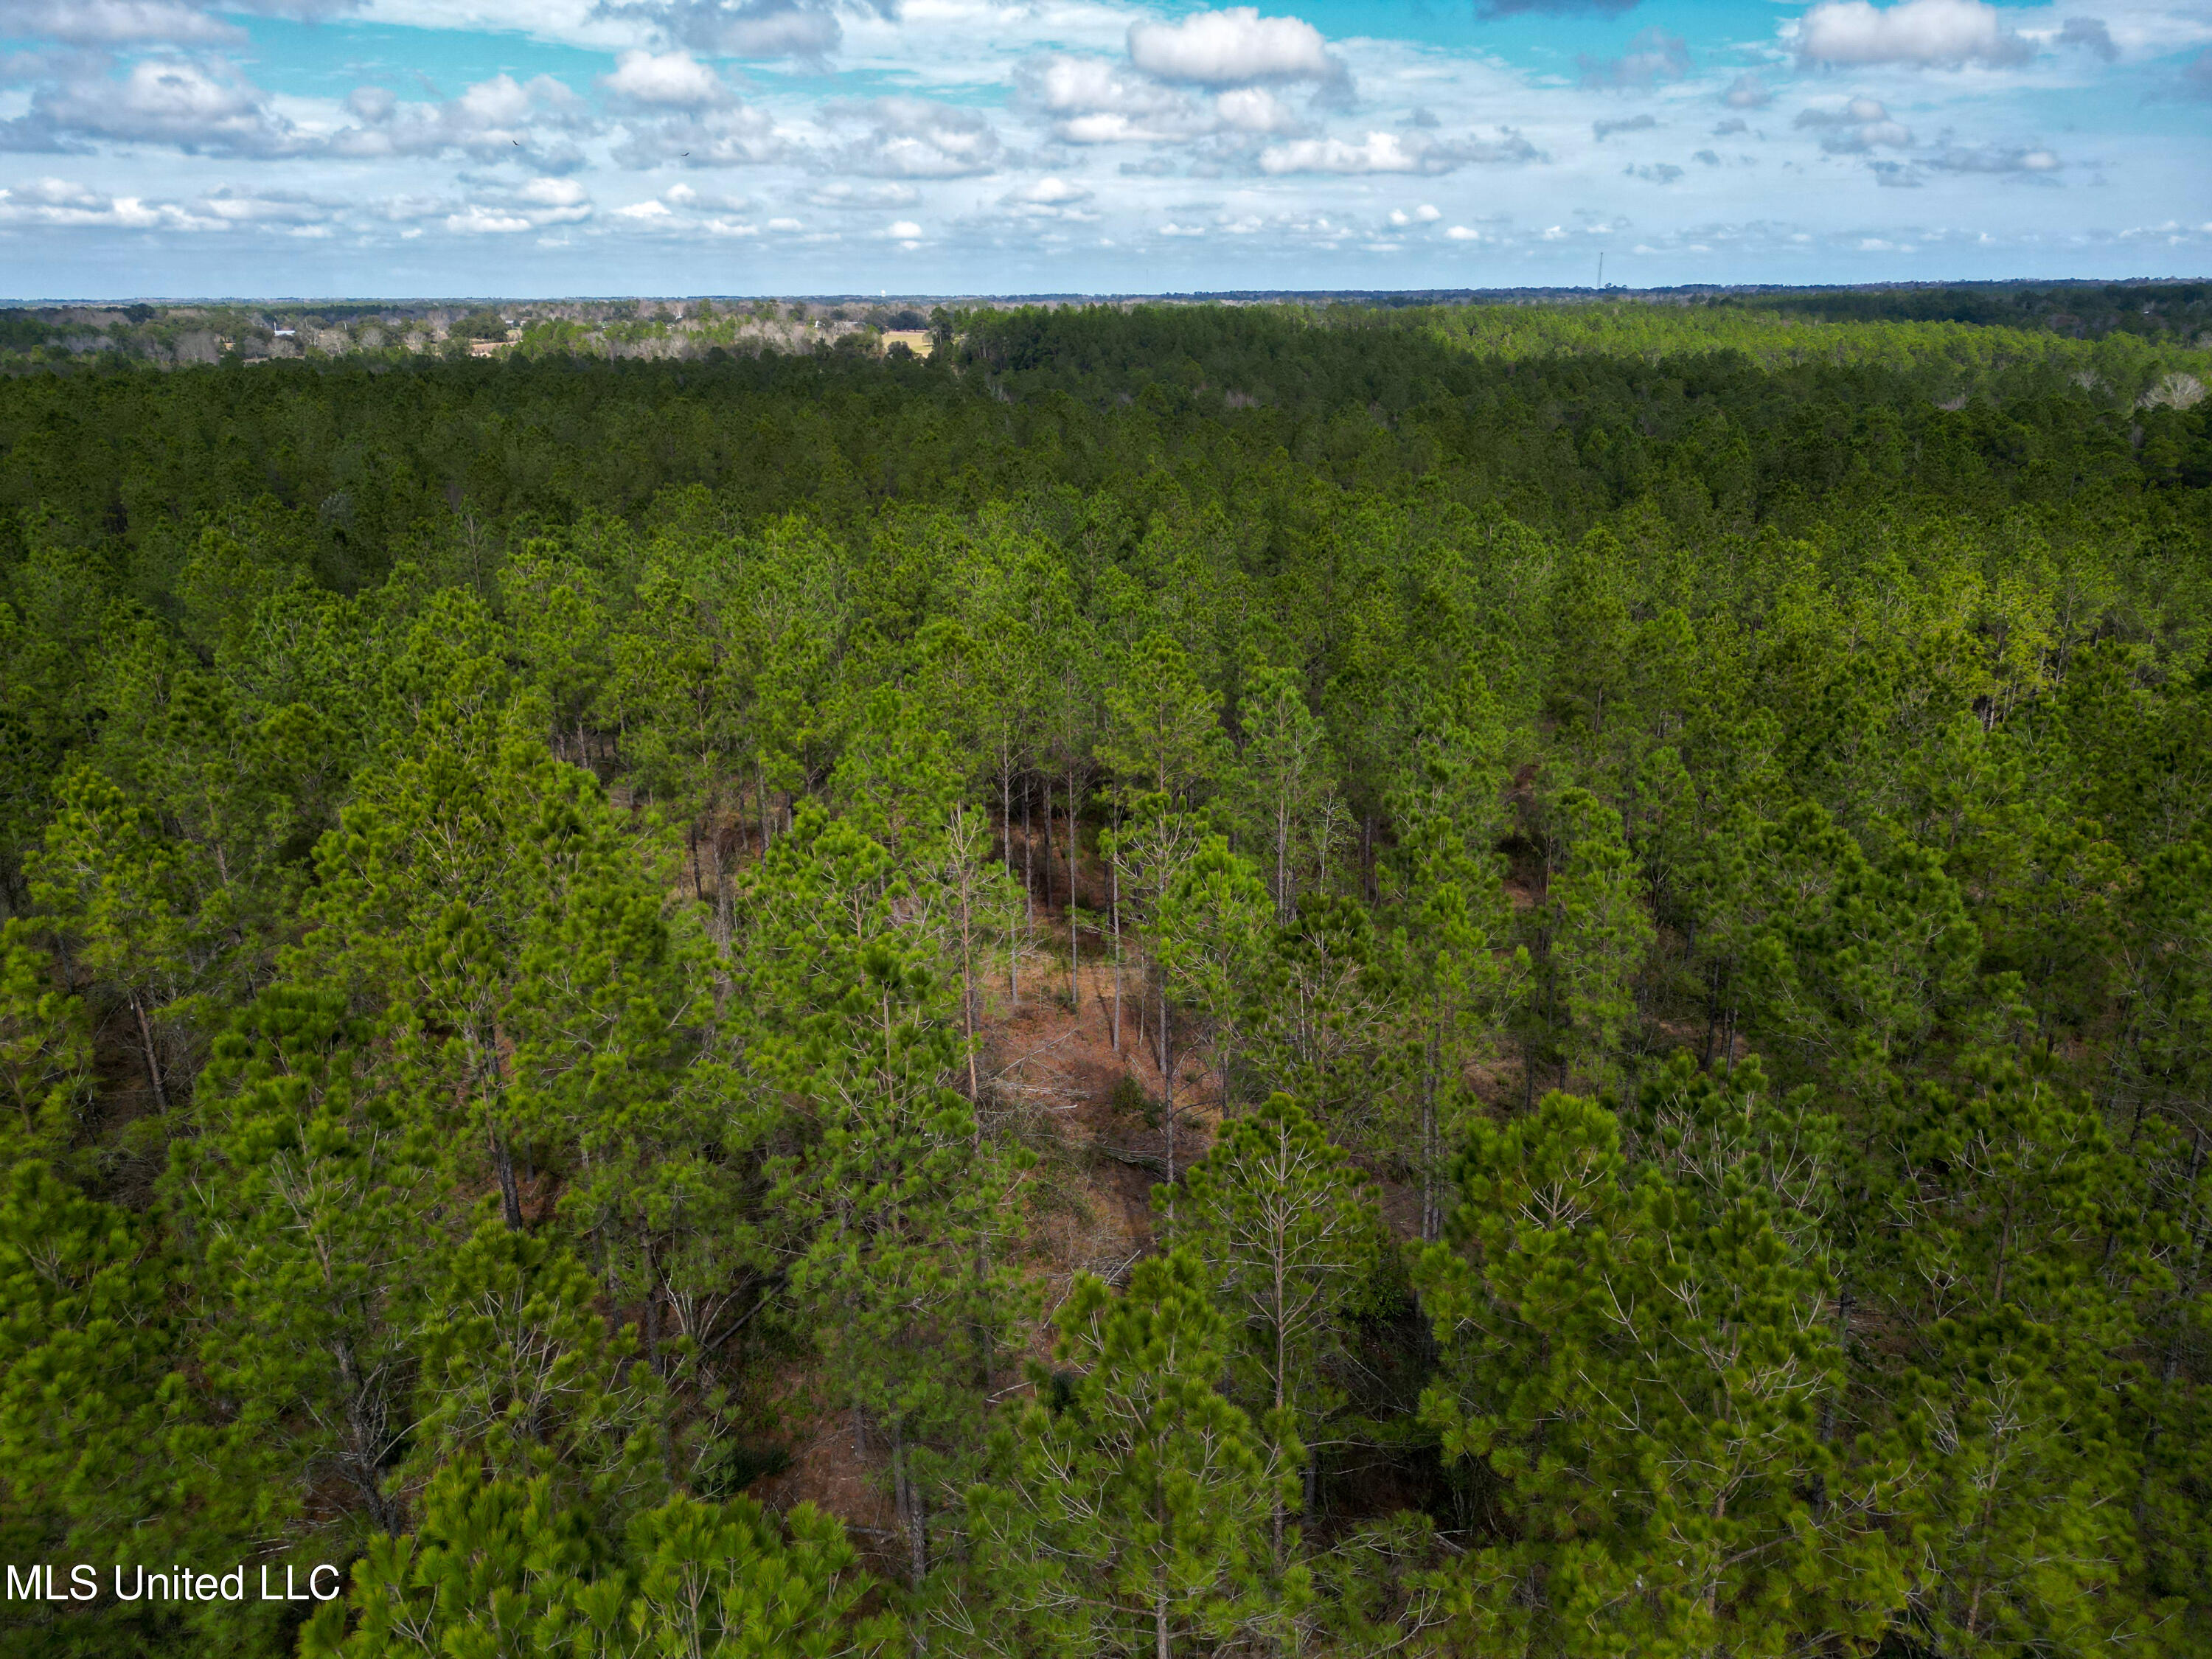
[(1167, 1089), (1074, 942), (724, 914), (651, 1301), (967, 964), (1430, 1219), (153, 1056), (905, 1497), (1283, 862), (1044, 782), (1007, 857), (1114, 904), (510, 1195), (1282, 1368)]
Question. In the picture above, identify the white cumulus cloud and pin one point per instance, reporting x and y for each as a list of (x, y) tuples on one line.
[(499, 119), (536, 205), (915, 138), (1391, 152), (64, 203), (1050, 192), (1233, 47), (748, 28), (476, 219), (733, 135), (669, 80), (1255, 109), (2029, 161), (1050, 197), (1093, 100), (1858, 124), (1747, 91), (113, 22), (1933, 33), (205, 108), (1380, 152), (293, 210)]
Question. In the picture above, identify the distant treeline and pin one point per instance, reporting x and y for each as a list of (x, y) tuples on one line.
[(2174, 314), (1248, 406), (2085, 311)]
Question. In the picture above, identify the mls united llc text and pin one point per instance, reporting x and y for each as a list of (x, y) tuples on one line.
[(80, 1582)]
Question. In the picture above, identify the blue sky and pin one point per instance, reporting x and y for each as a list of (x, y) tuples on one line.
[(397, 148)]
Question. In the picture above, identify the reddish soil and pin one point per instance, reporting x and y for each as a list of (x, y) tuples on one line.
[(1049, 1076)]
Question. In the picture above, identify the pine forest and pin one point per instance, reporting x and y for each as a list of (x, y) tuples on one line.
[(1173, 980)]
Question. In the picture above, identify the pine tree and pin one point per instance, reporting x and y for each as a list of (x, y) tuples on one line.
[(677, 684), (1072, 724), (1011, 603), (503, 1570), (887, 1206), (1213, 922), (305, 1190), (1284, 771), (519, 1375), (1152, 854), (1639, 1366), (493, 1570), (53, 601), (1326, 1023), (896, 782), (1591, 633), (1453, 906), (1292, 1240), (557, 614), (46, 1053), (1593, 934), (142, 910), (86, 1469), (1129, 1516), (1850, 963), (2006, 1216), (1164, 727), (487, 902)]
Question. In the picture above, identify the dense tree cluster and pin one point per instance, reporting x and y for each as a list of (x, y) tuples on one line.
[(1648, 891), (2180, 311)]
